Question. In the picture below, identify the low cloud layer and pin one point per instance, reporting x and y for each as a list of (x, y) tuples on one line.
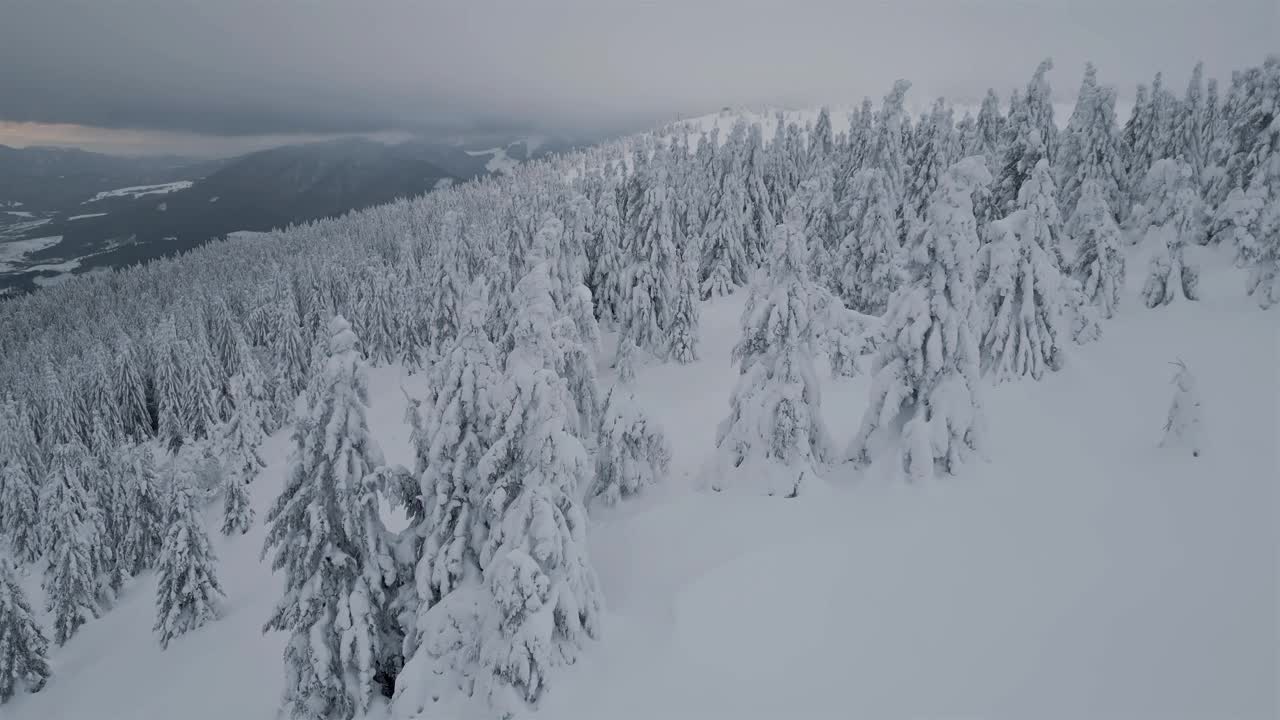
[(261, 67)]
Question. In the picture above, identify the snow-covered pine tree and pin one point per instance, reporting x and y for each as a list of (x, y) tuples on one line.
[(682, 334), (724, 260), (1024, 147), (631, 450), (869, 262), (1264, 274), (1164, 108), (144, 533), (576, 333), (56, 419), (1020, 301), (1171, 218), (887, 150), (1188, 127), (170, 379), (988, 128), (1037, 103), (1235, 221), (335, 606), (187, 589), (612, 260), (458, 429), (759, 215), (821, 138), (19, 489), (933, 153), (1182, 428), (926, 370), (774, 440), (130, 389), (23, 647), (290, 356), (542, 601), (241, 436), (72, 539), (1099, 263), (377, 314), (815, 196), (651, 274), (19, 503), (1090, 147), (1138, 138)]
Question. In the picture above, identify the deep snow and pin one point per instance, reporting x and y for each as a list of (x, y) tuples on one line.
[(1080, 572)]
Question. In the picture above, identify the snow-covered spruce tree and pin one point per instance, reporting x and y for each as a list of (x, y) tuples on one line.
[(926, 370), (457, 430), (131, 389), (682, 334), (144, 533), (1188, 127), (774, 440), (1020, 301), (72, 539), (612, 259), (241, 436), (631, 450), (1182, 428), (869, 262), (1137, 139), (933, 152), (651, 274), (1264, 274), (821, 138), (19, 502), (290, 355), (815, 196), (759, 215), (542, 601), (23, 647), (887, 151), (334, 556), (1037, 103), (575, 330), (1099, 263), (377, 315), (19, 489), (724, 260), (1171, 218), (187, 590), (988, 128), (1090, 148), (1236, 220), (56, 419)]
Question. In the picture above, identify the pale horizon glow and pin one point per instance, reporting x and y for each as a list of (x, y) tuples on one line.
[(249, 69), (135, 142)]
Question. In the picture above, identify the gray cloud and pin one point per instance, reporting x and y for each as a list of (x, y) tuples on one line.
[(241, 67)]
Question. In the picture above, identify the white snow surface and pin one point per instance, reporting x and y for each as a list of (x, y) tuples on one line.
[(86, 215), (499, 160), (1080, 572), (138, 191), (18, 213), (14, 251)]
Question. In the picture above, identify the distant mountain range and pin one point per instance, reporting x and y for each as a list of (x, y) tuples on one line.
[(68, 211)]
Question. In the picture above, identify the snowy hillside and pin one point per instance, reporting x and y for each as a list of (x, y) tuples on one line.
[(1080, 572), (923, 417)]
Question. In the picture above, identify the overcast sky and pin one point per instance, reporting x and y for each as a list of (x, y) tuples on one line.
[(215, 73)]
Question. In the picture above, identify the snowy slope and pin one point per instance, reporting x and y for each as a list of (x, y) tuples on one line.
[(1080, 572)]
